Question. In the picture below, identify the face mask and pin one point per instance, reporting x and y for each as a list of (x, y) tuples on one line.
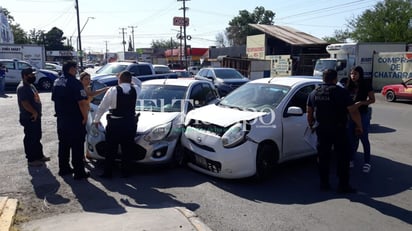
[(31, 79)]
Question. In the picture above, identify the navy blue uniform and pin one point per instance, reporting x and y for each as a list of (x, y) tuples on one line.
[(66, 94), (330, 104)]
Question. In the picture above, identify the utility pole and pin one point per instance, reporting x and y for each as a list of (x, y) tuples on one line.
[(134, 48), (123, 42), (184, 8), (106, 59), (80, 52)]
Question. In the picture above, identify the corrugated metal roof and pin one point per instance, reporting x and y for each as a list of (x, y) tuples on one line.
[(288, 34)]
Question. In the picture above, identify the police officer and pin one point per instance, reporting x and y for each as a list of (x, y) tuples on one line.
[(71, 107), (121, 127), (327, 110)]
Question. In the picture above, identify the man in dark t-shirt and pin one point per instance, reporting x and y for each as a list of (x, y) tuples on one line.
[(30, 118), (327, 112)]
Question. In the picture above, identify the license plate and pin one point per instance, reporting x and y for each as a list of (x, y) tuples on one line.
[(201, 160)]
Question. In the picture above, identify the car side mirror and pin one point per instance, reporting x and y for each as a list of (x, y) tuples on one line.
[(294, 111)]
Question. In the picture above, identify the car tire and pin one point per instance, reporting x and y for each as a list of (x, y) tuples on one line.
[(265, 160), (390, 96), (45, 84), (179, 158)]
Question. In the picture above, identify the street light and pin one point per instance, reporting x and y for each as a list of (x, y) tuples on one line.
[(87, 20)]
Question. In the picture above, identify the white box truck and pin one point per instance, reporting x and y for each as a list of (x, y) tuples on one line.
[(344, 56), (33, 54), (391, 68)]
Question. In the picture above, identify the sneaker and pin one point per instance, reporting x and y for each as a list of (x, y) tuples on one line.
[(325, 187), (36, 163), (351, 164), (84, 175), (45, 159), (346, 189), (65, 172), (366, 168)]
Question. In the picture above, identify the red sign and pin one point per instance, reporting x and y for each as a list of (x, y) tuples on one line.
[(180, 21)]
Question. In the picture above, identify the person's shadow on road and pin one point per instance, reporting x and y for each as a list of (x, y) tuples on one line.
[(93, 199), (46, 186), (143, 188)]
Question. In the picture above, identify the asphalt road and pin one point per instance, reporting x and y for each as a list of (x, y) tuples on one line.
[(290, 200)]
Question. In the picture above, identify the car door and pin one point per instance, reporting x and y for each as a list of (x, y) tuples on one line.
[(294, 126), (13, 74)]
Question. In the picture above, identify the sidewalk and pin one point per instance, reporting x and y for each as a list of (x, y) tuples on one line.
[(173, 218), (7, 211)]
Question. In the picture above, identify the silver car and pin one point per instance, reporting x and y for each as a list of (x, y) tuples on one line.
[(162, 105)]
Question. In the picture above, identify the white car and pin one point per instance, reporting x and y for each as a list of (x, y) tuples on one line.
[(54, 67), (258, 125), (162, 104)]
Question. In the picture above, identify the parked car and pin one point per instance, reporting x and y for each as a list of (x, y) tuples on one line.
[(225, 79), (161, 69), (193, 70), (182, 73), (162, 105), (54, 67), (253, 128), (44, 78), (394, 92), (113, 68)]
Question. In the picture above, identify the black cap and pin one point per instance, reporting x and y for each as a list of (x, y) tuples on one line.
[(28, 71)]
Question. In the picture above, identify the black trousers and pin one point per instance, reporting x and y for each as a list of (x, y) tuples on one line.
[(333, 137), (71, 134), (32, 136), (120, 131)]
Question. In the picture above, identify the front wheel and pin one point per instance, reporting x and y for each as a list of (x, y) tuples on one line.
[(390, 96), (265, 161), (45, 84), (179, 158)]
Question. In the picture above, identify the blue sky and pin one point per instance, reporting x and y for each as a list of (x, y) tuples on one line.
[(153, 19)]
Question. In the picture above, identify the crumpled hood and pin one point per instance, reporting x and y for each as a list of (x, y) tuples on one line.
[(222, 116), (149, 120)]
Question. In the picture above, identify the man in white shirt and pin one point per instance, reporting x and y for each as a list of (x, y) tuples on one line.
[(121, 126)]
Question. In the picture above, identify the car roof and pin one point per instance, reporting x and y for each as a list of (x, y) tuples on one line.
[(288, 81), (219, 68), (176, 82)]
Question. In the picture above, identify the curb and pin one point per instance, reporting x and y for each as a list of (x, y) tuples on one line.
[(8, 209), (193, 219)]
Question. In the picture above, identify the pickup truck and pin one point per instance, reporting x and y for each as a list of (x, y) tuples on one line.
[(44, 78), (141, 70)]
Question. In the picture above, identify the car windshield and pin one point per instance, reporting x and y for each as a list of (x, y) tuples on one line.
[(255, 96), (161, 98), (228, 74), (322, 65), (111, 68)]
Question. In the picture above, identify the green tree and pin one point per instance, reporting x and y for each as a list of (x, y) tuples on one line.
[(54, 40), (340, 36), (36, 37), (388, 21), (222, 40), (239, 27), (166, 44), (20, 36)]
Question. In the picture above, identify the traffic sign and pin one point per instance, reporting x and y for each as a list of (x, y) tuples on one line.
[(180, 21)]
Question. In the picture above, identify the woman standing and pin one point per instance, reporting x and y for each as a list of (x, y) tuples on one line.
[(86, 80), (362, 94)]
